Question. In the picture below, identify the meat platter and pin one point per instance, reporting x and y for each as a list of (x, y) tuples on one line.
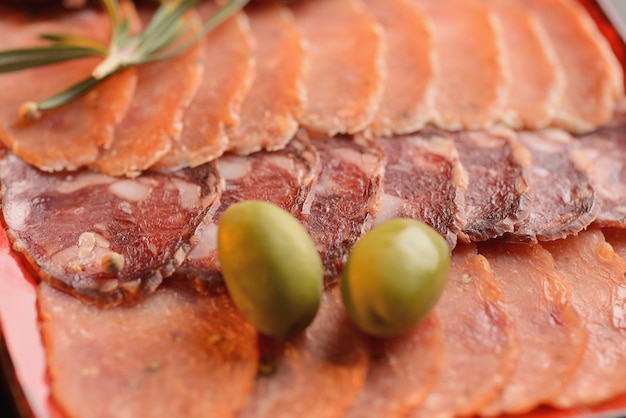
[(507, 142)]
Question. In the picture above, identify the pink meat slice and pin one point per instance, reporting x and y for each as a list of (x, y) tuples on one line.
[(402, 370), (564, 197), (480, 347), (153, 121), (593, 76), (71, 136), (596, 275), (344, 78), (606, 149), (537, 80), (317, 373), (470, 82), (228, 71), (270, 111), (106, 239), (551, 334), (175, 353), (408, 89), (423, 180), (497, 195)]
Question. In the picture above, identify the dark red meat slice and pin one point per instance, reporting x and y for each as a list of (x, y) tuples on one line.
[(176, 353), (102, 237), (497, 194), (424, 181), (564, 199)]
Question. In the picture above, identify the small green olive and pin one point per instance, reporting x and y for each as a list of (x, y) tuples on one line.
[(271, 267), (394, 276)]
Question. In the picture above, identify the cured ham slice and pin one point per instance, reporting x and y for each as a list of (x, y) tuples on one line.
[(344, 80), (480, 349), (345, 198), (282, 177), (423, 180), (551, 335), (317, 373), (276, 98), (217, 103), (606, 149), (153, 121), (470, 82), (596, 275), (537, 80), (591, 91), (402, 370), (497, 195), (71, 136), (175, 353), (104, 238), (408, 90), (564, 201)]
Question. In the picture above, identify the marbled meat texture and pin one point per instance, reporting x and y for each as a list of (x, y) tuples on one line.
[(564, 197), (423, 180), (176, 353), (103, 238), (497, 195)]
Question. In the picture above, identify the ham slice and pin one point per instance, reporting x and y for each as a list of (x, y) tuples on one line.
[(402, 370), (537, 80), (408, 90), (470, 82), (71, 136), (217, 103), (344, 79), (317, 373), (596, 275), (175, 353), (423, 180), (551, 334), (106, 239), (480, 348), (276, 98), (591, 91), (564, 201)]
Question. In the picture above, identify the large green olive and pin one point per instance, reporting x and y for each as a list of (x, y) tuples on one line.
[(394, 277), (271, 267)]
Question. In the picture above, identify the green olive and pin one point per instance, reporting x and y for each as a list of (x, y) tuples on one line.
[(271, 267), (394, 276)]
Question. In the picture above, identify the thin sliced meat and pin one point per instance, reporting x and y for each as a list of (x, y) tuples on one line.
[(315, 374), (593, 76), (71, 136), (103, 238), (617, 238), (497, 195), (423, 180), (402, 370), (282, 177), (345, 199), (228, 71), (153, 121), (537, 80), (596, 275), (606, 148), (408, 90), (480, 348), (344, 80), (175, 353), (276, 98), (470, 82), (551, 334), (564, 198)]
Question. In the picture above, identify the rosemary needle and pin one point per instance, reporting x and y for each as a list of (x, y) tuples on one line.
[(167, 34)]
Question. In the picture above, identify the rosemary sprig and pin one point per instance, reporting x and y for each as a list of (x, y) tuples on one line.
[(167, 34)]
